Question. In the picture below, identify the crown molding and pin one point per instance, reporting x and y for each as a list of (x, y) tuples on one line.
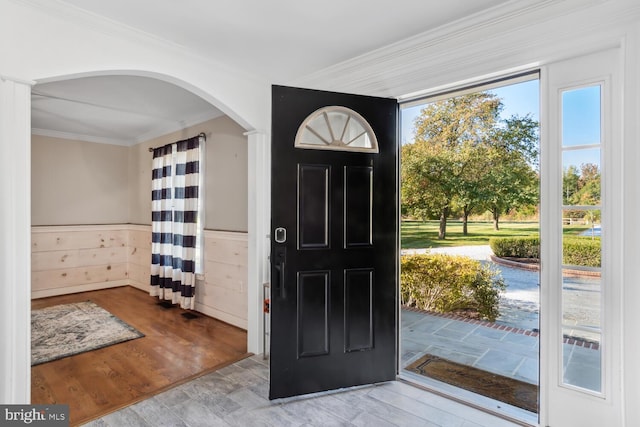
[(17, 80), (520, 35), (170, 127), (80, 137), (158, 131)]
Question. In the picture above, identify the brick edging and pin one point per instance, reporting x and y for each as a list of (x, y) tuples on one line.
[(536, 267), (528, 332)]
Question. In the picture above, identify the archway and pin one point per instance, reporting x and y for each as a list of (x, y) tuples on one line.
[(16, 126)]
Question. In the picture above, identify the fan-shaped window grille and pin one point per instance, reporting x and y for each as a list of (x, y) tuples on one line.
[(336, 128)]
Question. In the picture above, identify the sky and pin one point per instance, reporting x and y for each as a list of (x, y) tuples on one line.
[(580, 111), (518, 99)]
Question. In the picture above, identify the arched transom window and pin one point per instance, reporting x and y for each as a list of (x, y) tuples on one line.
[(336, 128)]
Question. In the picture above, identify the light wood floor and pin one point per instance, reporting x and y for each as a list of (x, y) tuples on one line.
[(174, 350)]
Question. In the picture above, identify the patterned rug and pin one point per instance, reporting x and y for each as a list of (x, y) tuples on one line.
[(67, 329)]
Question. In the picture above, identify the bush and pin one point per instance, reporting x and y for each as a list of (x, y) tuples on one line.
[(445, 283), (577, 250), (516, 247), (583, 251)]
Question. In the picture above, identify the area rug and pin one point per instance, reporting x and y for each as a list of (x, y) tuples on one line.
[(505, 389), (67, 329)]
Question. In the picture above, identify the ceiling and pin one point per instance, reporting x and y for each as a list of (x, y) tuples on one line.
[(121, 110), (278, 41)]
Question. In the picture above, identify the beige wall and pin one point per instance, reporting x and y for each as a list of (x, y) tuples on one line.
[(74, 183), (226, 179)]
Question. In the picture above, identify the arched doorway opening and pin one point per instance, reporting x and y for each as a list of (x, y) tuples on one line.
[(226, 132)]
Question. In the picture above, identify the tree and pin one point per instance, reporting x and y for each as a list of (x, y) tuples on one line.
[(510, 180), (589, 184), (438, 165), (464, 158), (570, 185), (581, 187), (471, 191)]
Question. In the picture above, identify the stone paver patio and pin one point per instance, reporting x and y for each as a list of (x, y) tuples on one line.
[(494, 348), (509, 347)]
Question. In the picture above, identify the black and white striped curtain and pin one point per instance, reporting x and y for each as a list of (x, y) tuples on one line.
[(175, 222)]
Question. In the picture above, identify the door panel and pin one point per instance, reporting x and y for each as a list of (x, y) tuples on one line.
[(313, 206), (358, 310), (358, 200), (313, 313), (334, 277)]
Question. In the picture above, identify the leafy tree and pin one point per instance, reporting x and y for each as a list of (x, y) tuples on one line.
[(570, 185), (510, 180), (581, 187), (463, 157), (471, 190), (438, 165), (589, 184)]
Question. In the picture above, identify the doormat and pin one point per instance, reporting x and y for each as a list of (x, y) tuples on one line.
[(505, 389), (67, 329)]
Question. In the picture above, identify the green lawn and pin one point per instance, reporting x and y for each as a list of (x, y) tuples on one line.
[(419, 234)]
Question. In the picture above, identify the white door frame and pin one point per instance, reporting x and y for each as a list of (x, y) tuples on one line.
[(259, 194), (562, 404), (15, 229)]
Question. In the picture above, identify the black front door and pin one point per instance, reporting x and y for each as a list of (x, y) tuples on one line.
[(334, 251)]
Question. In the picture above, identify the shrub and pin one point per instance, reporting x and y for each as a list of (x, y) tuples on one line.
[(581, 251), (445, 283), (516, 247), (576, 250)]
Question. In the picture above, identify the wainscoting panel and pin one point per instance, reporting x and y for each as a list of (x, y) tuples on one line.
[(139, 256), (70, 259), (223, 294)]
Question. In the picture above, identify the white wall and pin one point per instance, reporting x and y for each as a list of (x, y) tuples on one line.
[(44, 42)]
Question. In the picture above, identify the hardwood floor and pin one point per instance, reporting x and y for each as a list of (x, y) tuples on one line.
[(174, 350)]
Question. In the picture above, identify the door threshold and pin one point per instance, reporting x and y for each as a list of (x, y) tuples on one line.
[(477, 401)]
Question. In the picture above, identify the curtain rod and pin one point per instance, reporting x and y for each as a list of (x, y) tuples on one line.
[(201, 135)]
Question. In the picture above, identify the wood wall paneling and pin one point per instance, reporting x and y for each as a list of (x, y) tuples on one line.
[(139, 256), (71, 259), (224, 294)]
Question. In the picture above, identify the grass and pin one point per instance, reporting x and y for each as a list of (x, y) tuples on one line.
[(424, 234)]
